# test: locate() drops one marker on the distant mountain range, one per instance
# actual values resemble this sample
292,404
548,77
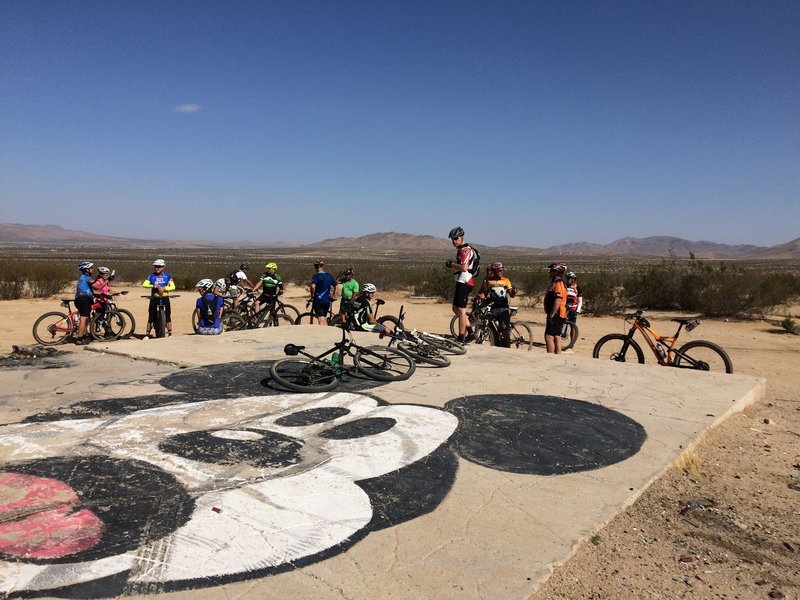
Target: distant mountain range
12,234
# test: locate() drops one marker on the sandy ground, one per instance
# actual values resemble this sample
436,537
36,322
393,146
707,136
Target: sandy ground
723,523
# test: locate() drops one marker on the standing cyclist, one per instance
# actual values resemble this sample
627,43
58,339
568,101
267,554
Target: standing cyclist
161,284
348,290
464,267
323,292
574,298
555,307
84,298
271,285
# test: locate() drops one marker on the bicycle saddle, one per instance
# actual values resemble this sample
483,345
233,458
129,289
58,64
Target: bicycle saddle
292,350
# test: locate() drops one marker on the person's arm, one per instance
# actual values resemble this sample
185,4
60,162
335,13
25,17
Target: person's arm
170,286
147,283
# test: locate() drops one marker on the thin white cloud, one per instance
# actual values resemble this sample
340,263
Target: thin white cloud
188,108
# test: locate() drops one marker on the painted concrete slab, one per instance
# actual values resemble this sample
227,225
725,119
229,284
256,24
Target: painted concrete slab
176,466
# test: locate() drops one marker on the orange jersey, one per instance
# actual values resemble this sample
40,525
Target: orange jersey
556,290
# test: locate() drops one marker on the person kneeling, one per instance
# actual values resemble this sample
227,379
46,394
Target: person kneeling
362,311
209,307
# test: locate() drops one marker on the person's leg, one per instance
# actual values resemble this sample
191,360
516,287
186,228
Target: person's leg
168,311
552,334
460,299
151,316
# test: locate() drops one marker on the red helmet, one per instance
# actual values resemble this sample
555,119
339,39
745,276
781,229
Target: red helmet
498,266
559,267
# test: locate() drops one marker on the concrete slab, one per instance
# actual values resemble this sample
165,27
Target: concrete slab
174,465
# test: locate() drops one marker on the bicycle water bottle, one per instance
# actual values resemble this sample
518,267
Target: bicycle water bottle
335,359
662,355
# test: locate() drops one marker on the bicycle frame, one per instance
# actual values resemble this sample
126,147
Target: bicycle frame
662,347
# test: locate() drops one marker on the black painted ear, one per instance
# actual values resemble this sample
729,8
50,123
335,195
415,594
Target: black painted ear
541,435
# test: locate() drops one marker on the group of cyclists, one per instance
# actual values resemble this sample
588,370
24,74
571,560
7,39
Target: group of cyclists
563,300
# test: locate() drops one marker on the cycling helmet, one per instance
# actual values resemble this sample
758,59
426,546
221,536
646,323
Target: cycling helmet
368,287
456,232
159,262
318,263
571,275
244,266
221,284
498,266
204,284
560,267
105,271
271,265
348,272
85,265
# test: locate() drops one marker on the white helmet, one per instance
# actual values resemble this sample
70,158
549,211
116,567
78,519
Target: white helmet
204,284
221,284
85,265
159,262
104,270
368,287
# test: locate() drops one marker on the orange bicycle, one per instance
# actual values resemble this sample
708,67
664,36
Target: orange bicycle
697,354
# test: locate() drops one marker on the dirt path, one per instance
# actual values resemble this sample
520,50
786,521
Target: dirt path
725,523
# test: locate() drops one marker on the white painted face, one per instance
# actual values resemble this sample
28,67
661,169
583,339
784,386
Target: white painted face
267,480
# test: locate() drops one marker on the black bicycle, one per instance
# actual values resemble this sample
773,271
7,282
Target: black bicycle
422,346
305,372
160,322
486,327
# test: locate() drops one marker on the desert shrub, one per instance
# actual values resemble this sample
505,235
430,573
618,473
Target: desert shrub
435,282
656,286
603,293
34,280
790,326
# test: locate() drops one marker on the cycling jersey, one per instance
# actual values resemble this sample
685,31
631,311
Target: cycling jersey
323,284
271,285
496,290
465,255
84,287
162,280
555,290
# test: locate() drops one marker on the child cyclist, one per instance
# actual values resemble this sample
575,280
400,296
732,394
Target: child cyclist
209,309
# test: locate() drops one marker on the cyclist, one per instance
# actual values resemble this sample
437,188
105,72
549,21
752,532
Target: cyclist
161,284
323,292
463,269
574,297
555,307
271,285
349,289
209,308
100,287
84,298
361,308
236,280
495,291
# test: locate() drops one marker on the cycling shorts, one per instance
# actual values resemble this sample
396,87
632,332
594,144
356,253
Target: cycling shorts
84,305
320,310
461,295
554,326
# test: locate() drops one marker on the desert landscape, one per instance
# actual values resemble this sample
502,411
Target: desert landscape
722,523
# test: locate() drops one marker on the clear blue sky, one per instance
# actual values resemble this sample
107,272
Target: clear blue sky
529,123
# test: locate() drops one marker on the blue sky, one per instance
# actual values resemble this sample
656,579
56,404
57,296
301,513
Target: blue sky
528,123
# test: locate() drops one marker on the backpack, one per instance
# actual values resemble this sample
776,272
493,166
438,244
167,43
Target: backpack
209,307
233,278
475,267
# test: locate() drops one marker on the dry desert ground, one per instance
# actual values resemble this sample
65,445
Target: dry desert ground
722,523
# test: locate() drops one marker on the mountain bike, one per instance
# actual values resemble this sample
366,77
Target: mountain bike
428,346
486,327
308,318
268,315
697,354
54,327
323,372
160,322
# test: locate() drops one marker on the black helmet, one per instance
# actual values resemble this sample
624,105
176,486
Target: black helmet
456,232
244,266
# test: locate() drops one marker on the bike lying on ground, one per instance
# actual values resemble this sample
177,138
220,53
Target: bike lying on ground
697,354
105,323
486,327
422,346
323,372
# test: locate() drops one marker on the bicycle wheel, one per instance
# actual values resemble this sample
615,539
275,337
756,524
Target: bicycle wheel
52,328
569,335
195,319
130,323
106,326
303,375
384,363
483,334
278,320
233,321
396,323
454,324
424,353
289,310
306,318
443,343
703,356
521,336
336,321
160,324
616,346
